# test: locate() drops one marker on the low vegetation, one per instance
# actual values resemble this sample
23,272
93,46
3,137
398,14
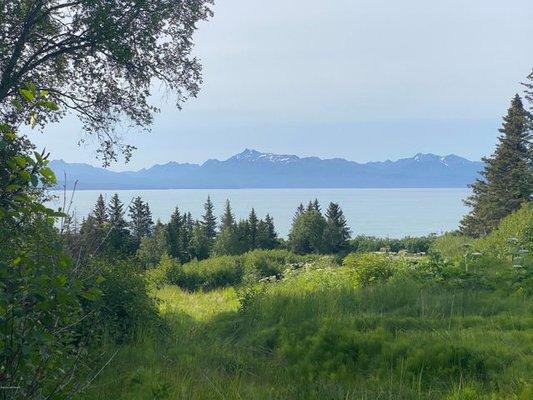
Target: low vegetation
378,326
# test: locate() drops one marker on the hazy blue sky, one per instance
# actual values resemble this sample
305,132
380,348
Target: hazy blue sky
359,79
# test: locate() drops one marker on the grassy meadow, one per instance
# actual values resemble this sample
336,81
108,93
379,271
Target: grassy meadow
455,324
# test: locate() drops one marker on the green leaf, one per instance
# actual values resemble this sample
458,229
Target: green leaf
49,105
27,94
34,180
38,157
48,175
17,104
20,161
92,294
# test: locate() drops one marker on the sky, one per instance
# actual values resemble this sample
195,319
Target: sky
364,80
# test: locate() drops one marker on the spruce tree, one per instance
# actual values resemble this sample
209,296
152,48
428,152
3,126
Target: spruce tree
252,229
93,228
529,91
299,211
228,220
174,228
185,238
266,233
507,178
243,236
209,221
227,241
115,212
199,244
100,212
118,240
141,222
336,233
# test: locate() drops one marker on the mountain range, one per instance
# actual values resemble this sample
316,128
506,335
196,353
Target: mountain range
254,169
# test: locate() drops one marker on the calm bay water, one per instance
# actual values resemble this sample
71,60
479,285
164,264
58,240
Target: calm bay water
380,212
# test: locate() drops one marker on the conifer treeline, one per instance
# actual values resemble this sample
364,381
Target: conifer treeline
106,230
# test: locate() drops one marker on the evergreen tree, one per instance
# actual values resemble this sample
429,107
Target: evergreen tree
174,232
141,222
507,178
199,244
93,228
267,237
228,220
91,236
529,91
227,240
115,212
299,211
336,233
209,221
119,238
252,229
100,212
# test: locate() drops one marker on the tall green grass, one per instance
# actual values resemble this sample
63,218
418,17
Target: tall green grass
307,337
457,324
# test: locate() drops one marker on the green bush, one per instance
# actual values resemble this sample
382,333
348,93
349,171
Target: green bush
158,277
41,354
370,268
514,233
222,271
124,308
264,263
365,244
207,274
452,246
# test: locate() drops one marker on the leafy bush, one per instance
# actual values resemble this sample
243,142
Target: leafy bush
157,277
207,274
369,267
264,263
124,308
515,232
221,271
365,244
452,246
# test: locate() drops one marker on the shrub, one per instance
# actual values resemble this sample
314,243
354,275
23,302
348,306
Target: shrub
221,271
364,244
264,263
207,274
124,308
514,232
369,267
452,246
41,355
158,277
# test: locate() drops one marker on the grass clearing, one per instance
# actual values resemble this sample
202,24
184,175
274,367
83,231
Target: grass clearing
315,335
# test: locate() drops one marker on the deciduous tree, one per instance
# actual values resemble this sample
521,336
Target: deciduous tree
98,59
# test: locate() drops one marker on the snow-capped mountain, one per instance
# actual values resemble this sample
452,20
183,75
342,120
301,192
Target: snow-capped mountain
254,169
250,155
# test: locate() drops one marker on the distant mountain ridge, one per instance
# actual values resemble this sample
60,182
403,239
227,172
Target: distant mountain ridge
254,169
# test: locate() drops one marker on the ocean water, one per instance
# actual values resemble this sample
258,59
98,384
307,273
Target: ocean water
381,212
